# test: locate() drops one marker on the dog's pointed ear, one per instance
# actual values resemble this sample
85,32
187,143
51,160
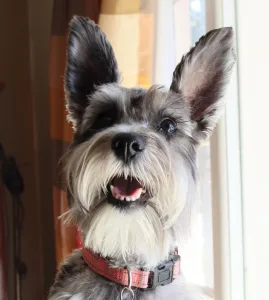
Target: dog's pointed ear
90,62
202,75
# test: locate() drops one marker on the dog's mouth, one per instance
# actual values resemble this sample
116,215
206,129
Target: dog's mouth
126,191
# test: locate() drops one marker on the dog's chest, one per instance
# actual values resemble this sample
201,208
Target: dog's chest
106,291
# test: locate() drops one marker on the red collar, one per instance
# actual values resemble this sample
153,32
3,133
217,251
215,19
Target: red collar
163,274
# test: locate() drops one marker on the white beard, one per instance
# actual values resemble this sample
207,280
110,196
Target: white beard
125,235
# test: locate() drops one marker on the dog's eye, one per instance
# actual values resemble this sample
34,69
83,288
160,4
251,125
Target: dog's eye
103,121
168,126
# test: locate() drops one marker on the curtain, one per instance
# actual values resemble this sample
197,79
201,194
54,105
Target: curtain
129,27
60,130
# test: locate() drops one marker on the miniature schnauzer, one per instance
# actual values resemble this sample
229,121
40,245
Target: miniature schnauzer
131,169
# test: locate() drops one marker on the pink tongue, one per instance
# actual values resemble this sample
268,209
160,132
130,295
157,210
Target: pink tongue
126,187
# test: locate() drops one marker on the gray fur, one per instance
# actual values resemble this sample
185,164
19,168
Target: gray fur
90,62
142,235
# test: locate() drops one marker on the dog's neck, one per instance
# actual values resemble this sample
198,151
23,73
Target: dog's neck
131,240
141,260
162,274
137,261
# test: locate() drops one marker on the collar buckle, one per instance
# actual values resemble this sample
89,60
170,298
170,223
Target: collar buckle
163,273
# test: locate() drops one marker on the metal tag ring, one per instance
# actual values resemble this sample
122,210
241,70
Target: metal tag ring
129,290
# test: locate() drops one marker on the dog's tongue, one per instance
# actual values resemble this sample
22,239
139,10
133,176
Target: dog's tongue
126,187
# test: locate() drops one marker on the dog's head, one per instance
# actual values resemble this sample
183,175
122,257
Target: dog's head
131,169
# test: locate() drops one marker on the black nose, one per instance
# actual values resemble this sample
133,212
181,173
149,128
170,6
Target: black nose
127,145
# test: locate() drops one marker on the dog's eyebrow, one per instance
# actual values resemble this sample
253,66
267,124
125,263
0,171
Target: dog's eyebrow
136,97
110,107
136,100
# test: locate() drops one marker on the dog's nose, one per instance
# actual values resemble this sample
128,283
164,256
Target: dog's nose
127,145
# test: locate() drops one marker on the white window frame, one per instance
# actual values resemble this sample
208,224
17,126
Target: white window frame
226,178
253,64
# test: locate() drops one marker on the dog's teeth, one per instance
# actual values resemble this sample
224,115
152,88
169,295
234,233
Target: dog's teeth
137,194
127,198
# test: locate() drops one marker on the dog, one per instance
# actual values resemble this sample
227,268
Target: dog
131,169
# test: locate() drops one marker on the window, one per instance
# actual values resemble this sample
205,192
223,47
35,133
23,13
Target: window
214,257
197,262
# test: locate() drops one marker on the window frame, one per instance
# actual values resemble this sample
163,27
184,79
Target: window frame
228,237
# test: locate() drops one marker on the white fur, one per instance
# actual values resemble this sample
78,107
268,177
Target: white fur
115,233
77,297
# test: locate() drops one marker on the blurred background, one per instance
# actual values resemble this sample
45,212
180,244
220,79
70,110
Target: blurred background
228,252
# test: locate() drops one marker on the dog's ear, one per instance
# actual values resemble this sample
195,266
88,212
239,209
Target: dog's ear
90,62
202,75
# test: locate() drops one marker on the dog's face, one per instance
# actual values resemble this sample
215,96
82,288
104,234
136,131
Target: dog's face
131,169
